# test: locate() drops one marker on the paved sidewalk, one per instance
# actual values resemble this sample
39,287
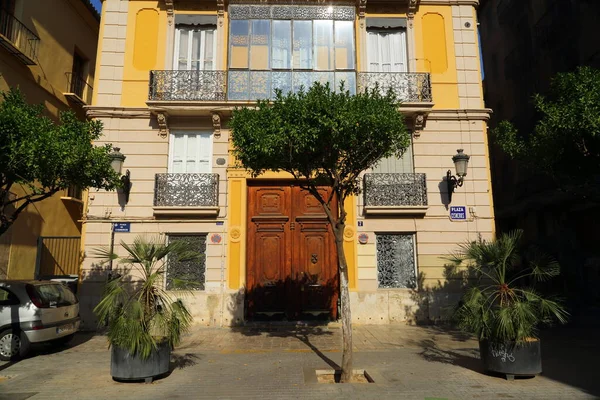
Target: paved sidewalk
279,363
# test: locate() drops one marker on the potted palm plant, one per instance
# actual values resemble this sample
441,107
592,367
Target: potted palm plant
144,320
503,308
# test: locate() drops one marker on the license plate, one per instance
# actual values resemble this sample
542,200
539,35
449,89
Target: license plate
64,328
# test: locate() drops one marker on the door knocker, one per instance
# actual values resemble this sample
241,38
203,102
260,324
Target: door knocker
313,258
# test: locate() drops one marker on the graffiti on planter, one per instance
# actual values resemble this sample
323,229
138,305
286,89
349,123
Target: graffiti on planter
500,351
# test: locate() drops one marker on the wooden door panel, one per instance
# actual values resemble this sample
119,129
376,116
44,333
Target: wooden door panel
291,264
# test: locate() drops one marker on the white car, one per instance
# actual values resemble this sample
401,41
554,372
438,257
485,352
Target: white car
33,312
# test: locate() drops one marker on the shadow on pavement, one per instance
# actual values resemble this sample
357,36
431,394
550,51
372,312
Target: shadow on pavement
569,355
302,333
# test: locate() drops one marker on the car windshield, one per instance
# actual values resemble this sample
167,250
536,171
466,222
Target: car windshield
55,295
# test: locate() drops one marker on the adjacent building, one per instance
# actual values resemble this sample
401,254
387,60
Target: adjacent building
47,50
525,43
170,72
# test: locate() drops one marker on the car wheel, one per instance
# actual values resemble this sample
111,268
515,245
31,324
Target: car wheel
64,340
13,345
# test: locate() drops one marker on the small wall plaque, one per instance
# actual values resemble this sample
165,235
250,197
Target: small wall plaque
363,238
221,161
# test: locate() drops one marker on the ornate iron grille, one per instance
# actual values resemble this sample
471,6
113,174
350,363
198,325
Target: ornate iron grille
287,11
410,87
186,190
396,261
188,274
188,85
395,189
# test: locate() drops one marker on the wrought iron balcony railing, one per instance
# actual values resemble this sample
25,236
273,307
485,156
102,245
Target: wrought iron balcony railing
17,38
186,190
410,87
188,85
182,85
395,190
77,86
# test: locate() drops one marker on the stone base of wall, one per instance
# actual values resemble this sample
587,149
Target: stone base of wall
227,309
402,306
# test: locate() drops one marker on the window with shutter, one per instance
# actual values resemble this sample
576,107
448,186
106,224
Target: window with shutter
195,47
190,152
394,164
386,51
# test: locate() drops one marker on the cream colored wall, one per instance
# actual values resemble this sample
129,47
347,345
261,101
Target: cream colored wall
146,155
436,235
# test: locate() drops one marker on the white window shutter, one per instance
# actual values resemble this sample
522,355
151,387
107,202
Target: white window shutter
191,152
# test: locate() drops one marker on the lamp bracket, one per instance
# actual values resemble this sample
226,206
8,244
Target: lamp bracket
452,182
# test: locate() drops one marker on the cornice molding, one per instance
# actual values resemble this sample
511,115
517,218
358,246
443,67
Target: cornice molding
474,3
471,114
121,112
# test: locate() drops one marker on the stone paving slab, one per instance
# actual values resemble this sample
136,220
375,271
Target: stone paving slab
272,363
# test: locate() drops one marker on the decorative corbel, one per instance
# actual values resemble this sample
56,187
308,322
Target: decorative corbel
412,10
169,4
216,120
419,124
163,129
362,8
221,11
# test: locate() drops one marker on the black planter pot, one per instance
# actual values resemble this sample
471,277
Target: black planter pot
510,359
125,367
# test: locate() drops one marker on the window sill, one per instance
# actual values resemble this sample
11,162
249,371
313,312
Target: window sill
396,210
186,211
73,199
74,98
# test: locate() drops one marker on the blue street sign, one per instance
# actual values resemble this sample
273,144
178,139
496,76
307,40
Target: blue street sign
122,227
458,213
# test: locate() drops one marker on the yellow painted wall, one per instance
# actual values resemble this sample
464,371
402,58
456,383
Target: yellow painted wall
62,26
434,51
145,49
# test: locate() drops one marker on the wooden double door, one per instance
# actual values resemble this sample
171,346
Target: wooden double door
291,259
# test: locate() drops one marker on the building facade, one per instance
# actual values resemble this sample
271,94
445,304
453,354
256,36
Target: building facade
47,50
170,73
525,43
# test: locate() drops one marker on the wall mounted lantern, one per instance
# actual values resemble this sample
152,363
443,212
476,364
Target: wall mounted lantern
461,161
117,159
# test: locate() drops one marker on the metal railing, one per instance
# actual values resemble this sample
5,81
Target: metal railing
58,256
411,87
19,36
78,86
75,192
395,189
181,85
188,85
186,190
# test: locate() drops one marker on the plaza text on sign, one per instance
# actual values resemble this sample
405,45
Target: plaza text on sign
122,226
458,213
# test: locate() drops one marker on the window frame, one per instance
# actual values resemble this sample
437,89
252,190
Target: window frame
187,133
169,236
415,256
380,31
202,59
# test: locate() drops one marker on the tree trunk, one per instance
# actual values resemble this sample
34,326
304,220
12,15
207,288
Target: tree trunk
345,301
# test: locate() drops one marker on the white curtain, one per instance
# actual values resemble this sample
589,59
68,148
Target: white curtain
386,51
195,48
191,152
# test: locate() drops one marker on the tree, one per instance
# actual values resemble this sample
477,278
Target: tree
565,143
44,157
322,138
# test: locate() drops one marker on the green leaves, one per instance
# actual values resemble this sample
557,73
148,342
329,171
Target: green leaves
47,156
320,131
565,141
141,312
500,307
